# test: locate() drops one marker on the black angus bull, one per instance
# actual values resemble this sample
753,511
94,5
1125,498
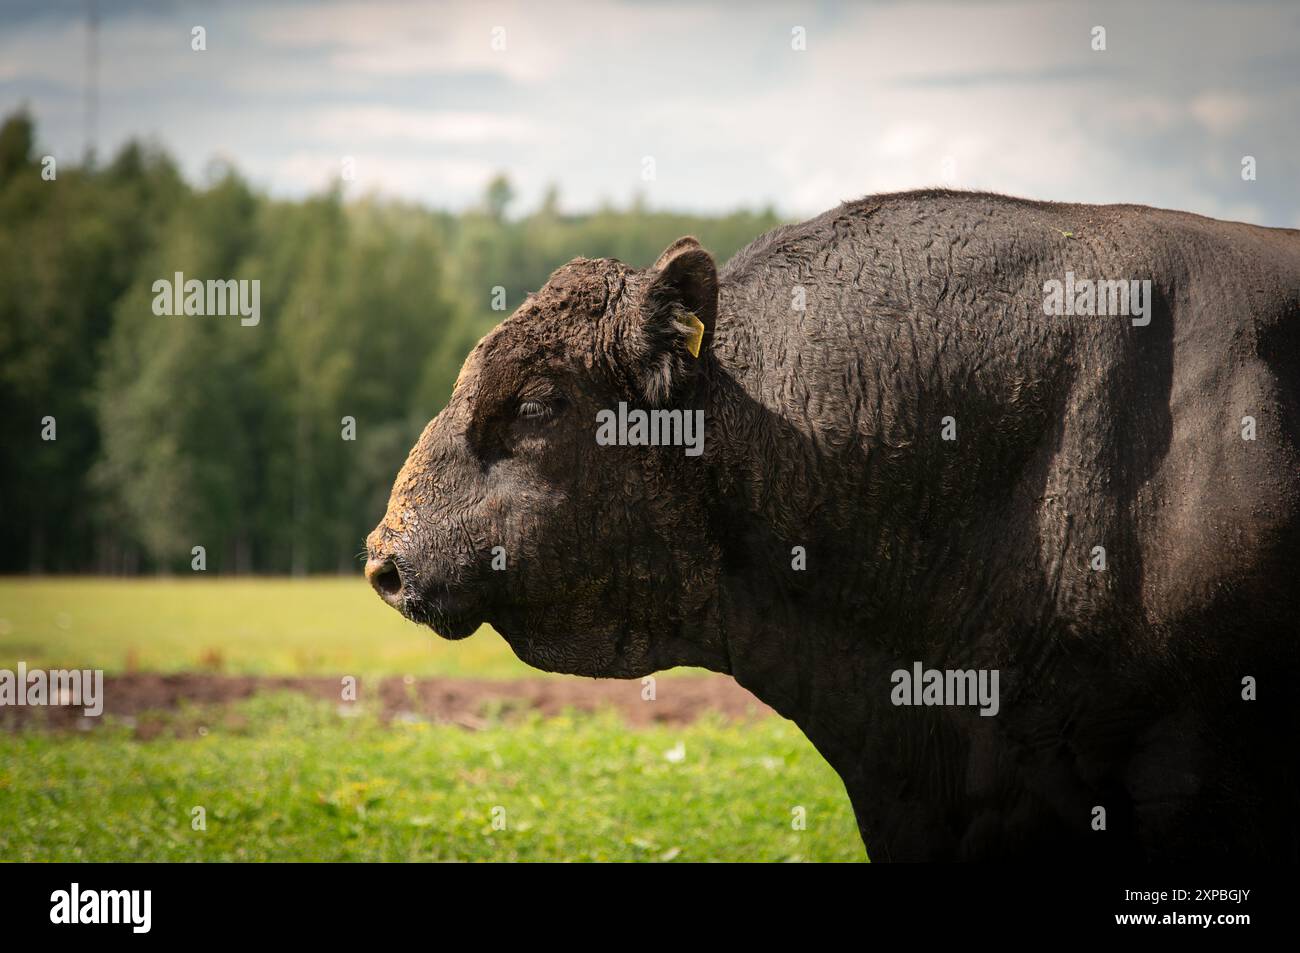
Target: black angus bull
953,443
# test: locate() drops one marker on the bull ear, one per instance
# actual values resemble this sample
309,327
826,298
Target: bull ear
676,319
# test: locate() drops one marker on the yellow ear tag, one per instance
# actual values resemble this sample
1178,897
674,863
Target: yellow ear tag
697,336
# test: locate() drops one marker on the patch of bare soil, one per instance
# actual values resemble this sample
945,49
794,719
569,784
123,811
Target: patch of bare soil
468,702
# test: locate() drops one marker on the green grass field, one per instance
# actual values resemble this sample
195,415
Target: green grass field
284,777
314,626
281,777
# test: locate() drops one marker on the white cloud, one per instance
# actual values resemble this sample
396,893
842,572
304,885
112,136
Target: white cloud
391,38
305,173
1220,112
394,124
733,116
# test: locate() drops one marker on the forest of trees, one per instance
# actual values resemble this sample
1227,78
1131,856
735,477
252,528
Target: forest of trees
173,432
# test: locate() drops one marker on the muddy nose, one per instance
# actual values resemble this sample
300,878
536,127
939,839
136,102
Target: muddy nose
386,578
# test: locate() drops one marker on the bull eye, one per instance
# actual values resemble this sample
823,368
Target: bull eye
533,409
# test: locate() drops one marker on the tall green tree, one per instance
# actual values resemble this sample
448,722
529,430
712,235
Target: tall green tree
272,446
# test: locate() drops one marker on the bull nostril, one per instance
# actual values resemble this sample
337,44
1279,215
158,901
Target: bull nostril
389,580
385,577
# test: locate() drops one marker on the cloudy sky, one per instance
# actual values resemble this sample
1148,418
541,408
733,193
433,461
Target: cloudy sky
1003,95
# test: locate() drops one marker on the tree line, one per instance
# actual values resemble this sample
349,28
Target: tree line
128,437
